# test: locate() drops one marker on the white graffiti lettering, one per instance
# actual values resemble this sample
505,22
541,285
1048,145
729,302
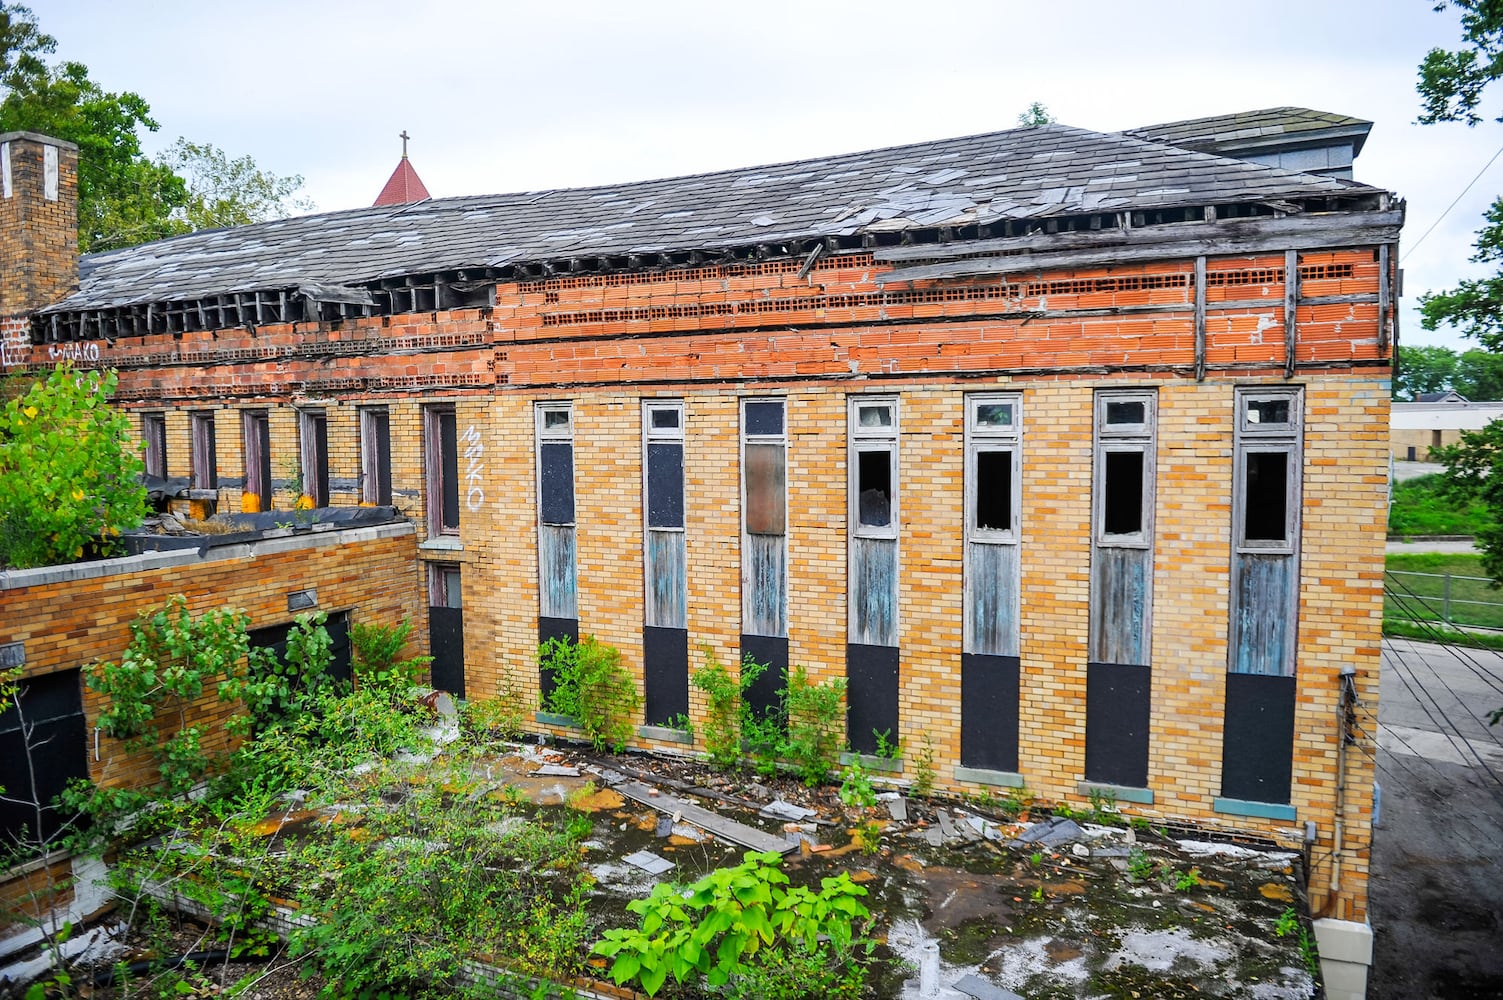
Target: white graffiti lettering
475,471
13,345
73,351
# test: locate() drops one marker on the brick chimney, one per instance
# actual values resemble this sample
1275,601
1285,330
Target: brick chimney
38,221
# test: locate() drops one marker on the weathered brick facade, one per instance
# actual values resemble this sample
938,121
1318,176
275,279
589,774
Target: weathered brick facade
814,331
38,221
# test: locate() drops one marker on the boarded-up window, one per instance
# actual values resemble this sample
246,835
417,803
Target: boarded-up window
665,553
1121,625
204,463
764,548
557,570
993,453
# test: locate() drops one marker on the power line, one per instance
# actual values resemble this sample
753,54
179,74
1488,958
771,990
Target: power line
1441,727
1415,245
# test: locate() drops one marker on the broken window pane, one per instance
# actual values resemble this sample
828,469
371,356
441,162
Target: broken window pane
665,418
556,482
766,477
1265,506
555,420
994,415
994,490
154,430
1122,493
1267,411
874,488
665,485
1126,412
874,415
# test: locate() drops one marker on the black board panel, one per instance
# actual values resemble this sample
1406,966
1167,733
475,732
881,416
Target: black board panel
274,638
1118,699
665,663
772,650
871,695
989,711
446,646
1257,755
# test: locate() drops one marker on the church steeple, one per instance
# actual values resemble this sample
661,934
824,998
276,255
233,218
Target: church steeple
405,186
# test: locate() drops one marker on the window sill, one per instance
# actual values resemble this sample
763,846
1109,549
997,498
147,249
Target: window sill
1259,810
871,762
665,734
1119,793
983,776
442,543
561,721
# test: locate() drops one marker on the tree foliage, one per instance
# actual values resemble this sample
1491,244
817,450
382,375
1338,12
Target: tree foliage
69,467
1477,375
1034,115
124,196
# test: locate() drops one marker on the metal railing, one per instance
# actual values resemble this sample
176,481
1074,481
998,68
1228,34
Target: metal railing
1442,597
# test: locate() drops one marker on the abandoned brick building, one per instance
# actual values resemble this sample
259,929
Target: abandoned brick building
1067,449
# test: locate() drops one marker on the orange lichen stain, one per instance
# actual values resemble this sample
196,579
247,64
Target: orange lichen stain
597,801
1272,890
862,876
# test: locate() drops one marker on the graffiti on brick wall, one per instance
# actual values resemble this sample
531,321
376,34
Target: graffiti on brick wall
78,353
474,495
13,344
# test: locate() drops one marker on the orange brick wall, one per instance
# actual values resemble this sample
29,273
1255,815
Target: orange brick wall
70,623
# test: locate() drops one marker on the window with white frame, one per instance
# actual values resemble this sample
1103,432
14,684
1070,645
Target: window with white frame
874,466
663,507
1124,479
1267,472
556,535
764,517
993,505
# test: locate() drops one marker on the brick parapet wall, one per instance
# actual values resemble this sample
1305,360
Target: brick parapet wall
71,616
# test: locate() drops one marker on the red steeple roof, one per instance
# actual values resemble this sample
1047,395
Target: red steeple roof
405,186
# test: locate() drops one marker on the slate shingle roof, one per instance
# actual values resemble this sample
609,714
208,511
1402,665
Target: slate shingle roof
1247,128
1030,173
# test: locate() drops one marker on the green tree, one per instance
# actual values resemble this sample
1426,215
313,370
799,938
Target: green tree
69,468
124,196
1479,376
1423,369
224,192
1034,115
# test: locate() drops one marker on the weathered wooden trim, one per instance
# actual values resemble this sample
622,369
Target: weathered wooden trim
1235,229
1200,319
1291,308
1211,245
1385,297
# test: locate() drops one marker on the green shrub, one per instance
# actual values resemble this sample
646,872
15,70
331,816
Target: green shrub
726,710
743,925
591,686
816,716
376,658
69,468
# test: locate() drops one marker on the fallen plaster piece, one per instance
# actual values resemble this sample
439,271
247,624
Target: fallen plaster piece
557,771
778,809
975,986
1207,848
650,863
99,944
1159,951
705,819
897,808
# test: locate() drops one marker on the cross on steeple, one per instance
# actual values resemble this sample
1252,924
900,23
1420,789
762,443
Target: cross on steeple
404,137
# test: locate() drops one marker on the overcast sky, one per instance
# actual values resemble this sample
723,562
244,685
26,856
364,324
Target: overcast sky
506,96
